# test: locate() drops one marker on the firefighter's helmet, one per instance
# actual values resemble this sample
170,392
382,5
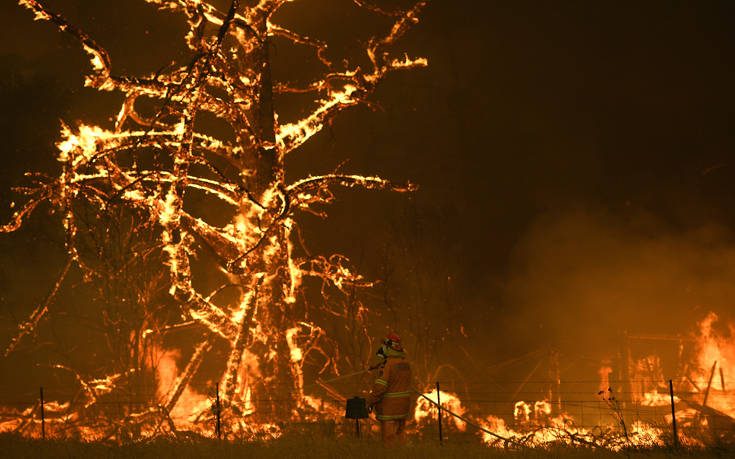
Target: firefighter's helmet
393,341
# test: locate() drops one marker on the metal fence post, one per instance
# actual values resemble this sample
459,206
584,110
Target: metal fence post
673,412
218,426
439,409
43,417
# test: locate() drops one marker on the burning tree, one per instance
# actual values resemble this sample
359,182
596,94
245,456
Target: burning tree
137,186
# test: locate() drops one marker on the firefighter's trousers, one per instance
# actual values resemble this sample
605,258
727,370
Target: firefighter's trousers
393,431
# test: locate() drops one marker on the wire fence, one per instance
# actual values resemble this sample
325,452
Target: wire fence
521,406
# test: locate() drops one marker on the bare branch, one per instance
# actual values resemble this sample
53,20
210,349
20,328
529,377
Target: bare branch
29,326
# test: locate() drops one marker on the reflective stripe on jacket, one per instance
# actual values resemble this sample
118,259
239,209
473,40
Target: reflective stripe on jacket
391,393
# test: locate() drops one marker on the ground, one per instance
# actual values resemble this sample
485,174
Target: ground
300,446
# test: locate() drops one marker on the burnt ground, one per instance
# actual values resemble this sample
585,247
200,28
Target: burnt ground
310,446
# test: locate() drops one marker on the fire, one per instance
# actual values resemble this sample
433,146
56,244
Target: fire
261,331
656,398
705,376
526,413
108,172
426,410
535,424
715,352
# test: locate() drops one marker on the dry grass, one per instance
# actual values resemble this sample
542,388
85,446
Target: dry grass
301,446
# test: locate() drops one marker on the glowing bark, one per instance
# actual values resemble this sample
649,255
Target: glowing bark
229,77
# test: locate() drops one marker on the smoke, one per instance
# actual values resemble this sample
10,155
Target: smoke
580,279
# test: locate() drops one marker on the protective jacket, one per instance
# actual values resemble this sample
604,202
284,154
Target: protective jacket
391,392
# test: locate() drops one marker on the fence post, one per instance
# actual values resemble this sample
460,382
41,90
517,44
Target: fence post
43,417
439,409
673,412
218,426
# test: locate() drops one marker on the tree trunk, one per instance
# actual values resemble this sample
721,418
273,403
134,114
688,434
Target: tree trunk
272,380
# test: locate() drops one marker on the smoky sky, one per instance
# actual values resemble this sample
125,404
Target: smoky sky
574,159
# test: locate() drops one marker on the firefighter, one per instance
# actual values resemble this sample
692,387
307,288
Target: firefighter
390,396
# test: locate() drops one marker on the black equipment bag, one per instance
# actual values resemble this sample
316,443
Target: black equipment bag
356,408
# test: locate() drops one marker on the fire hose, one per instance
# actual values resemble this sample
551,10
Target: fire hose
465,420
337,396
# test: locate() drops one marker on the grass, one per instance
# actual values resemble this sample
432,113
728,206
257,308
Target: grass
304,446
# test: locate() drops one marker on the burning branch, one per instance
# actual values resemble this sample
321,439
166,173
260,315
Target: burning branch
29,326
104,179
